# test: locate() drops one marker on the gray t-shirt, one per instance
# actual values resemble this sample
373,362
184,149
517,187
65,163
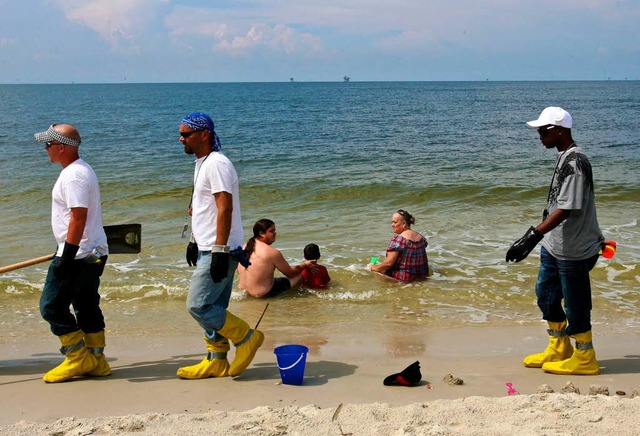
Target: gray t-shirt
579,236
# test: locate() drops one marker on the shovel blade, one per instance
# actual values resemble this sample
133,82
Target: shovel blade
124,238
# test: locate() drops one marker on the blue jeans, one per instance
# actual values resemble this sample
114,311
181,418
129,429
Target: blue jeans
207,301
568,279
79,290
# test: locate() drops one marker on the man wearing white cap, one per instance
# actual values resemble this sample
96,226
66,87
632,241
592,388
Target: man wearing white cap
571,241
74,273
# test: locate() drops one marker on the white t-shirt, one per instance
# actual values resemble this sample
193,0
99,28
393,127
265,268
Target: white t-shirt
214,173
77,186
579,236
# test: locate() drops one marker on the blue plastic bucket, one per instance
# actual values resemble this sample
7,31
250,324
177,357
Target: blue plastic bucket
291,360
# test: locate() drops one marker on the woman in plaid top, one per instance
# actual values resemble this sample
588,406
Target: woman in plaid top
406,254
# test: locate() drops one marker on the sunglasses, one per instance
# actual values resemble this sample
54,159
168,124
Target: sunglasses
185,135
544,131
50,143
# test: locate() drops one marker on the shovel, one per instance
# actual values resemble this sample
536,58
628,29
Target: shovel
121,238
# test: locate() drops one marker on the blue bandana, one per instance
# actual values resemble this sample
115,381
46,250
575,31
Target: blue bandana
200,121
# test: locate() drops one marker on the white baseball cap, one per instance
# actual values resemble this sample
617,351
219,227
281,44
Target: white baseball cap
552,115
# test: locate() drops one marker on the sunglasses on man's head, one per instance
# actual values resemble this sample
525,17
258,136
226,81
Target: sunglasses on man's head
544,131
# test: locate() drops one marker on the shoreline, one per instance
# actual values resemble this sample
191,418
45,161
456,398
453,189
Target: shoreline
346,368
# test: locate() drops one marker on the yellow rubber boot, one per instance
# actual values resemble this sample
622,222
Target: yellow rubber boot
559,347
246,340
582,362
214,365
78,360
95,344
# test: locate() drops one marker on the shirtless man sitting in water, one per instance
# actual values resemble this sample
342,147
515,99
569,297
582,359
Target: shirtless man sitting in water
258,279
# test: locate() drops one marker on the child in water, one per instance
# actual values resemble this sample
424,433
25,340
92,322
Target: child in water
317,277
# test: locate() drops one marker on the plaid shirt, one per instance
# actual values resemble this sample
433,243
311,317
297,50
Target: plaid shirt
412,262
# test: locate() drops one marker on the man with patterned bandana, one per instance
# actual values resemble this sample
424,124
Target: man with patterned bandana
74,274
217,234
571,242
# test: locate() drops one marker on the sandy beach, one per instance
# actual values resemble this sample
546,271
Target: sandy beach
329,164
342,391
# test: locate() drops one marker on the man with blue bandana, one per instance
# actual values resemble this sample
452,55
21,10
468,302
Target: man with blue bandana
217,233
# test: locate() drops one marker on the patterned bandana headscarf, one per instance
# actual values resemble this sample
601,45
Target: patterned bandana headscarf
199,121
52,135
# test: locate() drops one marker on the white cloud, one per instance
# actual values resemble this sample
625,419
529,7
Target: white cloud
278,38
119,22
308,26
235,34
256,36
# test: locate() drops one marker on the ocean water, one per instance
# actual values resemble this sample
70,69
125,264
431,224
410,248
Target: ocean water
329,163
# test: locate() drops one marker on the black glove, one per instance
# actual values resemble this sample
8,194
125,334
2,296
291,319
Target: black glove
523,246
219,266
192,254
240,255
65,264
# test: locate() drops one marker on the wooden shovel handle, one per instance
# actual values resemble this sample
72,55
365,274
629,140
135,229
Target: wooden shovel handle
25,263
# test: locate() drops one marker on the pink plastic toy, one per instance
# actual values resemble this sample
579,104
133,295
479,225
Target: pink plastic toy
511,391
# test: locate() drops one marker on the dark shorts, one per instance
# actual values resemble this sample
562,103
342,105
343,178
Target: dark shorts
280,285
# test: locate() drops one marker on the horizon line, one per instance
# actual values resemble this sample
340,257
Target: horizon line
320,81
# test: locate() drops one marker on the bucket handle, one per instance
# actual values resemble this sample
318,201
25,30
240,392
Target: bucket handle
296,362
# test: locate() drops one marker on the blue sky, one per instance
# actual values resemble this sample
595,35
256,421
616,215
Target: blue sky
97,41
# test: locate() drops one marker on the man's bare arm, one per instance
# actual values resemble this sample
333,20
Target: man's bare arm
224,202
